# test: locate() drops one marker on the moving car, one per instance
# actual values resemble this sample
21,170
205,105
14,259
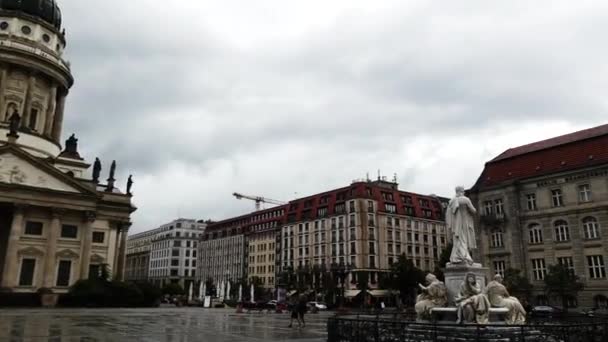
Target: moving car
318,305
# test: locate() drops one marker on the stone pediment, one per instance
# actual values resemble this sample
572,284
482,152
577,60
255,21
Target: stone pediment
31,251
98,259
17,170
67,254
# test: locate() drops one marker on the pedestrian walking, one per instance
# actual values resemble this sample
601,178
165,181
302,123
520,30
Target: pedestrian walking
294,313
301,310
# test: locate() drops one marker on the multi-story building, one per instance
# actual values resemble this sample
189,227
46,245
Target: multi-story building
261,241
58,223
223,250
138,255
366,225
547,203
171,249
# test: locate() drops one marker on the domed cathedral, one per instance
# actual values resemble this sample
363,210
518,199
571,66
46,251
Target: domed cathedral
58,222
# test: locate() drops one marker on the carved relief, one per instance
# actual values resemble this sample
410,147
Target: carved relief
14,170
30,251
67,254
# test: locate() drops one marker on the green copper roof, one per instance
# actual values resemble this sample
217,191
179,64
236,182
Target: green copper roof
46,10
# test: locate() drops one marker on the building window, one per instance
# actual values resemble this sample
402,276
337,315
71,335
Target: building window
499,267
98,237
372,262
370,206
566,262
175,252
177,243
562,232
372,248
33,228
63,273
33,119
498,207
496,239
488,208
26,277
174,272
584,193
538,269
536,234
591,228
390,208
531,201
596,266
69,231
370,220
556,198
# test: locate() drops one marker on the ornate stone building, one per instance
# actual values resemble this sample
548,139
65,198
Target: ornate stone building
57,223
547,203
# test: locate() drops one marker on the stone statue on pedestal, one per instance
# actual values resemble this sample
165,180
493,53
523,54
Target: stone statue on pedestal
472,304
433,295
459,221
499,297
96,170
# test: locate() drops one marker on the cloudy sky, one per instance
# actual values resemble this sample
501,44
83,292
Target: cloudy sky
281,98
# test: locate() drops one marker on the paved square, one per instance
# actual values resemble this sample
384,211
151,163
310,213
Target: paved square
162,324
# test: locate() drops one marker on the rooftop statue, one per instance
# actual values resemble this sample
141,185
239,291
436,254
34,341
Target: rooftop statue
459,220
499,297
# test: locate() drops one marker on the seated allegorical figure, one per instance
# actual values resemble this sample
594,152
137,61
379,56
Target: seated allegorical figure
499,297
473,305
433,295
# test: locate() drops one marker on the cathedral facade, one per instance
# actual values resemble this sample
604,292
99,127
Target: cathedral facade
58,222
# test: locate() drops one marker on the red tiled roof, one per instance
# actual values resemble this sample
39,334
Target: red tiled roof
554,142
576,150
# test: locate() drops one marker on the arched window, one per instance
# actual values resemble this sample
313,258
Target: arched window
536,233
591,228
562,232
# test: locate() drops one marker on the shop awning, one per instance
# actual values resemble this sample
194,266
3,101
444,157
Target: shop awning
351,293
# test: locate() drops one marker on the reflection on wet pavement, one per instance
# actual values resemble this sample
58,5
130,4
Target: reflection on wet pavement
163,324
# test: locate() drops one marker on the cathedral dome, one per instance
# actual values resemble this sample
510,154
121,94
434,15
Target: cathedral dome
47,10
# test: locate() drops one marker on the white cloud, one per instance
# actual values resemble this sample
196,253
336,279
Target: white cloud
202,98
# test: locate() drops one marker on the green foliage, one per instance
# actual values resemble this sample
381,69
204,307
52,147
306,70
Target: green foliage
517,283
98,292
173,289
562,283
444,258
405,277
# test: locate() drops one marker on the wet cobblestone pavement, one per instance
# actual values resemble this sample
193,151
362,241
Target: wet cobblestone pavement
162,324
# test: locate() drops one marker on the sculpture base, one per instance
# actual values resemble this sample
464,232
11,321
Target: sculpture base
455,274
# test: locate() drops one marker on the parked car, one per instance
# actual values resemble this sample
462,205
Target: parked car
546,309
272,303
317,305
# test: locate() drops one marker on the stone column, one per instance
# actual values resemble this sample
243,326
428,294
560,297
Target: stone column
27,106
58,120
50,112
51,249
124,231
3,81
87,241
9,278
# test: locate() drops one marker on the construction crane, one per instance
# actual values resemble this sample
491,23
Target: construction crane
258,200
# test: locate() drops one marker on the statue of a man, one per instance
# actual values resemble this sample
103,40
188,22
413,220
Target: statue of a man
129,184
433,295
14,122
96,170
459,221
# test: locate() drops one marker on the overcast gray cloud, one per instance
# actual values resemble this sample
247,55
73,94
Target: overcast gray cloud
198,99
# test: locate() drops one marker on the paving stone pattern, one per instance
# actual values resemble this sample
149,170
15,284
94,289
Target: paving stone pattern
151,325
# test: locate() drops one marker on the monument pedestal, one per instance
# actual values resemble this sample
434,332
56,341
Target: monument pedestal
455,274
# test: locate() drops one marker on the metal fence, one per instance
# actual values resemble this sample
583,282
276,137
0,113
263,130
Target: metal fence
380,329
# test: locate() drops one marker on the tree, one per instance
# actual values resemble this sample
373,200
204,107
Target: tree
517,284
173,289
444,258
406,277
562,283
